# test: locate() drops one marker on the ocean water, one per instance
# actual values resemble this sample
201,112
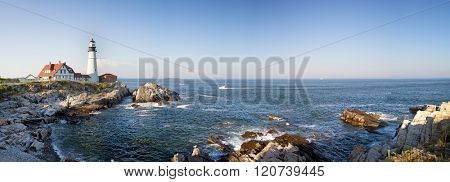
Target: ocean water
310,108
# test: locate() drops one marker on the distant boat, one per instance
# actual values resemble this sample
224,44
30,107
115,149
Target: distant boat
321,78
223,87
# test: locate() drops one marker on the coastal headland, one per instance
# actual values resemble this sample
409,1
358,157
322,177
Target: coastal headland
27,111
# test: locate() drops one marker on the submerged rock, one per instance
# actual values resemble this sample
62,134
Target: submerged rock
152,92
361,118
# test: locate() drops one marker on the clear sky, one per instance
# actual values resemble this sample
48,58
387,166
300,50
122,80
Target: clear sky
416,47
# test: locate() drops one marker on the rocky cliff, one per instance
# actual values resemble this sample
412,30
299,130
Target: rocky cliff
27,110
425,138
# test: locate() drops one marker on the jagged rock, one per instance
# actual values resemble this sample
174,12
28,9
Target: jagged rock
272,131
287,139
42,133
272,117
178,158
360,118
152,92
251,135
428,129
252,147
50,112
219,141
415,109
358,154
198,156
4,122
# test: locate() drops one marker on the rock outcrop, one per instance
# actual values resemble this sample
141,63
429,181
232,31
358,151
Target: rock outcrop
426,134
285,148
27,109
152,92
360,118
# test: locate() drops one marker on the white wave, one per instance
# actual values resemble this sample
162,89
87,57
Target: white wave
385,117
202,95
183,106
236,140
152,104
96,112
223,88
306,125
58,151
388,117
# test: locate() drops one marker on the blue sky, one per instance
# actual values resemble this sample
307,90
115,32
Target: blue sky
417,47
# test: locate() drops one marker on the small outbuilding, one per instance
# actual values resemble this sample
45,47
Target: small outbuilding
107,78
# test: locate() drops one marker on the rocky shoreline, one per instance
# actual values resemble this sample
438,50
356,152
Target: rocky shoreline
424,139
284,148
27,111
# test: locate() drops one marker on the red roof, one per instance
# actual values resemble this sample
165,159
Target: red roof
53,68
107,74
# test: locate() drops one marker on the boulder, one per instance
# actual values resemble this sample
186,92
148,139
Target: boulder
198,156
218,140
272,131
251,135
360,118
152,92
178,158
287,139
272,117
252,147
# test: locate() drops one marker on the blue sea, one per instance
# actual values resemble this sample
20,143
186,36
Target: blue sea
310,108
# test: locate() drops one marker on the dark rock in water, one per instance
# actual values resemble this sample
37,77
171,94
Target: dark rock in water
135,105
219,141
152,92
178,158
285,148
252,147
272,117
198,156
287,139
272,131
415,109
360,118
251,135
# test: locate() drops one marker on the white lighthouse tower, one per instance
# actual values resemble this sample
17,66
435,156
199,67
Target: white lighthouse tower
92,62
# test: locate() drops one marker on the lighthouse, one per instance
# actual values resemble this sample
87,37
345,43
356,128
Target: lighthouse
92,62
